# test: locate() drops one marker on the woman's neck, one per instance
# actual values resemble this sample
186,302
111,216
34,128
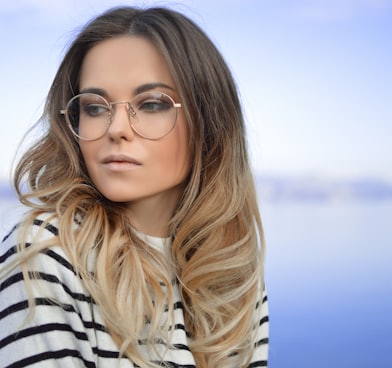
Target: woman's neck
152,215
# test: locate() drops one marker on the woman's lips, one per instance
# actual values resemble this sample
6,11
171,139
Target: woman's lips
120,162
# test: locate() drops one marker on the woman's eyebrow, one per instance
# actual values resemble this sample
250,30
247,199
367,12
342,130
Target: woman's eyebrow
150,86
140,89
97,91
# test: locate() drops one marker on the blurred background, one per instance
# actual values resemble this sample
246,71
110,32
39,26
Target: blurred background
315,78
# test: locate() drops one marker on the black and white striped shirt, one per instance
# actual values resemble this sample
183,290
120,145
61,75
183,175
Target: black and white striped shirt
72,333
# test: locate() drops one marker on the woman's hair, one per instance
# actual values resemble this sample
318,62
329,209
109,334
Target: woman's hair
217,249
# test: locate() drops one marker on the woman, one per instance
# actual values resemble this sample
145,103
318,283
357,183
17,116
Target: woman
143,243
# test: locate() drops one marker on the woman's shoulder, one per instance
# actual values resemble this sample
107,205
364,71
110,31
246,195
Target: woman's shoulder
42,255
38,239
32,227
61,322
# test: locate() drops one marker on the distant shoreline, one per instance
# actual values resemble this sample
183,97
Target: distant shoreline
280,188
317,189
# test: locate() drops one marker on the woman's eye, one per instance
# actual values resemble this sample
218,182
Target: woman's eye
154,106
95,109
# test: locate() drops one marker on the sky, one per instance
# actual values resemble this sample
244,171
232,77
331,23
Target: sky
315,76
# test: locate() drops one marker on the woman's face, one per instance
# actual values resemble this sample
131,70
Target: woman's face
124,166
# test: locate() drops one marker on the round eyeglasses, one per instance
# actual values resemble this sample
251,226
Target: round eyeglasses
152,115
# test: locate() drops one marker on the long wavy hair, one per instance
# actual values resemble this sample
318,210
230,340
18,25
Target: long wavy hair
217,250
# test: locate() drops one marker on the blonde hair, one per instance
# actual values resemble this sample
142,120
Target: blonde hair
218,249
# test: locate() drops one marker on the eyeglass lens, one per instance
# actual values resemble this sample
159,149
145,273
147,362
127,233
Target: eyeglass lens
152,115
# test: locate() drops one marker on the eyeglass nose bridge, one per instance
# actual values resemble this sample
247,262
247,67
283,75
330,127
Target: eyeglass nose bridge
131,111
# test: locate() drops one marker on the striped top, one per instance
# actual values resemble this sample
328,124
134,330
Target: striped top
72,333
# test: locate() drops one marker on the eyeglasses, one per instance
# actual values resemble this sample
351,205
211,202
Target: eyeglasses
152,115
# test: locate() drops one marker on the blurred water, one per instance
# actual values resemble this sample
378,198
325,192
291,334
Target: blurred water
329,280
328,273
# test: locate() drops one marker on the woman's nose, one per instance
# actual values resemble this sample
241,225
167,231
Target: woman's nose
120,125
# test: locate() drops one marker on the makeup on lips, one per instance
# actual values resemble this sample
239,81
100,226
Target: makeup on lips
120,162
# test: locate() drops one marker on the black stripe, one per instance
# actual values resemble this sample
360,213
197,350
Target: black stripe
13,279
174,365
106,353
262,342
263,320
177,326
41,329
259,363
38,301
178,305
49,278
45,302
265,299
10,233
181,347
51,228
10,252
59,259
158,341
55,280
49,355
94,325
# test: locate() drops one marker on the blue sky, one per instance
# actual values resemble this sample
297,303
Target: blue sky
315,76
